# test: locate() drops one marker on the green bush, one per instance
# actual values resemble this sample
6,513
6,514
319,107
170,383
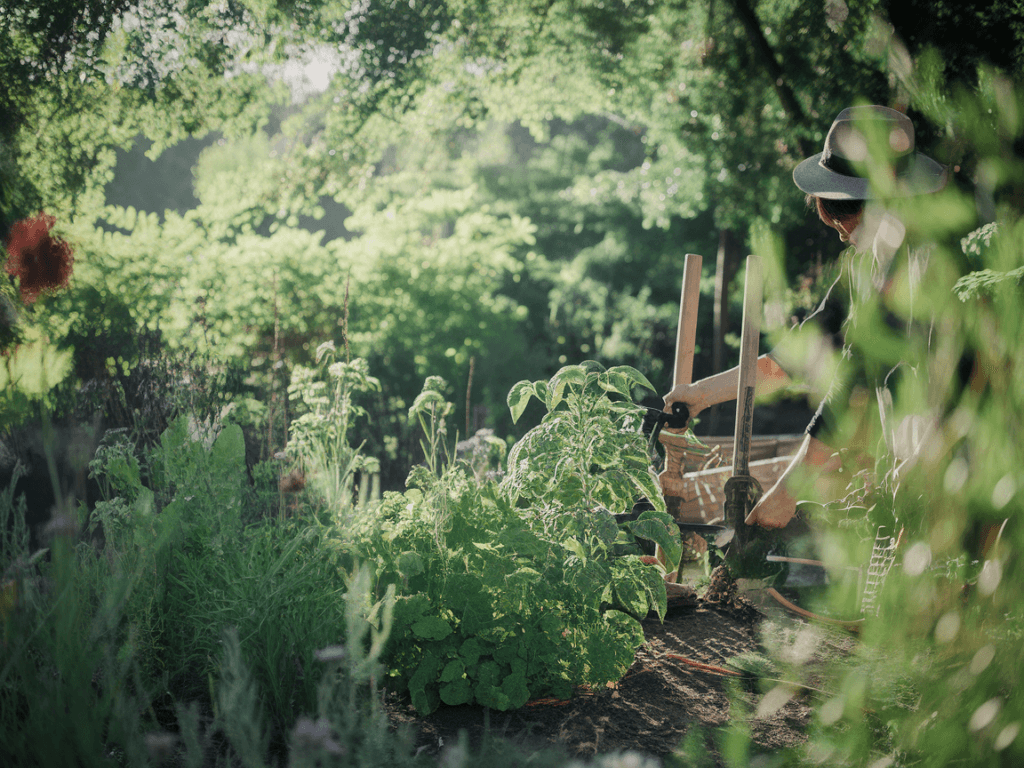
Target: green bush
203,564
513,590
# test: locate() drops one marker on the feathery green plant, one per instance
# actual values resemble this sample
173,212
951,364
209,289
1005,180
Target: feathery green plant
325,400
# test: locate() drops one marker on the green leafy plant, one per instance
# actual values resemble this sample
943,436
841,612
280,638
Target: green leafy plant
431,411
588,456
176,522
500,599
325,399
71,688
987,245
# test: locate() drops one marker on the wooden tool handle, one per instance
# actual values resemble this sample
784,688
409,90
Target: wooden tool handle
742,490
752,300
682,371
686,335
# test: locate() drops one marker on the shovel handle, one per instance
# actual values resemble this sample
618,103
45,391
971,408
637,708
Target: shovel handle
686,334
742,490
752,301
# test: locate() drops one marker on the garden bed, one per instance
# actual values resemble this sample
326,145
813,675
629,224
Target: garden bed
659,700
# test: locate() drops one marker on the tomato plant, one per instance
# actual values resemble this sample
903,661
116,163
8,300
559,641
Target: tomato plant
525,587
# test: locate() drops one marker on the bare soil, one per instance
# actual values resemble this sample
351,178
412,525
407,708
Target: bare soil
662,696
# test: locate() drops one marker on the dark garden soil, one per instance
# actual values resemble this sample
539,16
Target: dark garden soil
660,698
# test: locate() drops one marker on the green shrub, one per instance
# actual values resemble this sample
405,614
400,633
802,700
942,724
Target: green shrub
511,591
200,568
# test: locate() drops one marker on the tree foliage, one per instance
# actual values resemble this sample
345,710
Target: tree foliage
523,178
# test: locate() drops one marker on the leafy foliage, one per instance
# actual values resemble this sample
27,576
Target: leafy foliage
588,452
980,245
183,519
505,595
521,180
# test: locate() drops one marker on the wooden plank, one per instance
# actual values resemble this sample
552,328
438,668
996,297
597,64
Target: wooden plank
699,497
717,451
761,447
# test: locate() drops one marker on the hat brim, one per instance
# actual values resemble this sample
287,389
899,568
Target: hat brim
923,177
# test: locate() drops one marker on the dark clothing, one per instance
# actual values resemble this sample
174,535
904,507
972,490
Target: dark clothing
875,365
863,277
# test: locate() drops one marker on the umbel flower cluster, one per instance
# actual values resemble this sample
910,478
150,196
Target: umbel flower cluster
40,261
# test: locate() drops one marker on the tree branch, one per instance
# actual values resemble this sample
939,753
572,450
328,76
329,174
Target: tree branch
763,51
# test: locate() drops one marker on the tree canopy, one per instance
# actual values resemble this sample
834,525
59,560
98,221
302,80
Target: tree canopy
523,178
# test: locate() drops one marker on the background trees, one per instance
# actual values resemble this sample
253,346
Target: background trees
509,186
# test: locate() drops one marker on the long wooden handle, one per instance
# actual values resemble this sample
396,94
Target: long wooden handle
682,371
686,334
752,300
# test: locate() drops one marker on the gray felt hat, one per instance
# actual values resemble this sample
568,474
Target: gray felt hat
839,172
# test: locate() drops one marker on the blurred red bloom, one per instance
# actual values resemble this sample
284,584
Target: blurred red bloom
39,260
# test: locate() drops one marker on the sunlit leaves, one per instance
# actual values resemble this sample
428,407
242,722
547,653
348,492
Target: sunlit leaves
588,445
519,397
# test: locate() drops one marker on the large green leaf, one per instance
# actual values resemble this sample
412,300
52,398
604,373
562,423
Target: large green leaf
650,488
633,377
519,397
456,692
470,651
453,670
515,688
631,595
411,564
574,546
432,628
567,376
663,530
615,381
653,582
422,684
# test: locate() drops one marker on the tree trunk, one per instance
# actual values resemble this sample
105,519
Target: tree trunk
763,51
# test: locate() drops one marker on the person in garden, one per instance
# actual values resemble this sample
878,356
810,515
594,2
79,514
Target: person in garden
869,157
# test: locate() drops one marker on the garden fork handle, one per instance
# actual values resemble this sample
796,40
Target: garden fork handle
682,374
742,490
686,333
752,300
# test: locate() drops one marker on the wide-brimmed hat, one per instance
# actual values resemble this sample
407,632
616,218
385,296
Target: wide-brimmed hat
840,171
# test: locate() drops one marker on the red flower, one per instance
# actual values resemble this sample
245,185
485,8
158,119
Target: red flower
40,261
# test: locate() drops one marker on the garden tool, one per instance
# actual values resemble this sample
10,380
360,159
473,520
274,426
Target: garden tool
691,481
742,490
683,452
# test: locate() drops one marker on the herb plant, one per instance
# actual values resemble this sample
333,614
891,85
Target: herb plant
325,400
